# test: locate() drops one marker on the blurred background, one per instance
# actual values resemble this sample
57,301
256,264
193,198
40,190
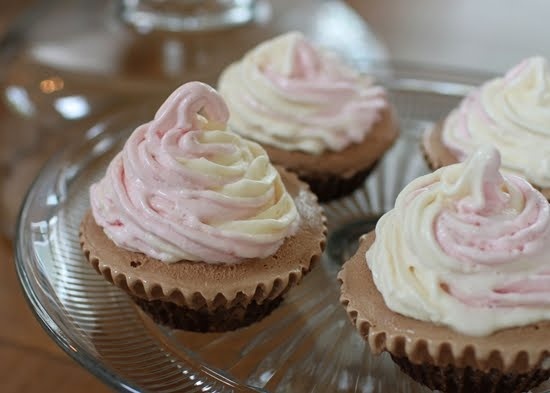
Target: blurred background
64,65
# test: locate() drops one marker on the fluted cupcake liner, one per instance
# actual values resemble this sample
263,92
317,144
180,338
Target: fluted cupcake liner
184,296
193,310
329,186
436,355
220,319
451,379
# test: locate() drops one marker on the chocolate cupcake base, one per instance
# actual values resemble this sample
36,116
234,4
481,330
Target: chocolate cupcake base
450,379
328,187
221,319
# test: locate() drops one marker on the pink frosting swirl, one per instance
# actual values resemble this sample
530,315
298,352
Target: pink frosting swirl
466,247
184,189
511,113
315,79
292,95
502,228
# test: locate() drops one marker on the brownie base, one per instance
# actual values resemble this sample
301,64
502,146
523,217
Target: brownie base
328,186
452,379
222,319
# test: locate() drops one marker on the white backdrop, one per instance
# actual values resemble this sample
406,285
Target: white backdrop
486,35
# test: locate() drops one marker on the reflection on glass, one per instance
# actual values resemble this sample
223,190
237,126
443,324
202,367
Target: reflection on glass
19,100
51,85
72,107
186,15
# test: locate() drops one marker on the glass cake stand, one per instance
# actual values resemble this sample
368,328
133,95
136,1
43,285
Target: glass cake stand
306,345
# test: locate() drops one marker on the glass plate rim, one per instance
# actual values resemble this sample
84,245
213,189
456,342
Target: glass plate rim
392,81
70,347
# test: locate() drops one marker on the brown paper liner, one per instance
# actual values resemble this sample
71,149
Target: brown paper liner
332,175
450,379
424,349
254,285
221,319
328,187
437,155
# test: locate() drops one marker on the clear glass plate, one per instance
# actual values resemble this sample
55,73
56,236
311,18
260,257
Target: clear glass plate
306,345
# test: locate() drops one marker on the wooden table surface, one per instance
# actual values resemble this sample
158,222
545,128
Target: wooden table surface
31,361
35,363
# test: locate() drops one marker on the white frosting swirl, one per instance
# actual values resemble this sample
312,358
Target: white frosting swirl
467,248
511,113
288,94
183,188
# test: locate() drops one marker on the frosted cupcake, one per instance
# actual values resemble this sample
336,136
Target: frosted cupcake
196,224
512,113
455,284
314,115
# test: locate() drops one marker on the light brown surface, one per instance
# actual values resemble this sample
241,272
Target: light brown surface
31,361
36,364
424,342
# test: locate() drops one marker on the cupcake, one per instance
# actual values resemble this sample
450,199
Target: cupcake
455,281
196,224
312,113
511,113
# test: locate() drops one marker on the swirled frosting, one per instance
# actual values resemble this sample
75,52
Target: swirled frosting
466,247
288,94
184,189
511,113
